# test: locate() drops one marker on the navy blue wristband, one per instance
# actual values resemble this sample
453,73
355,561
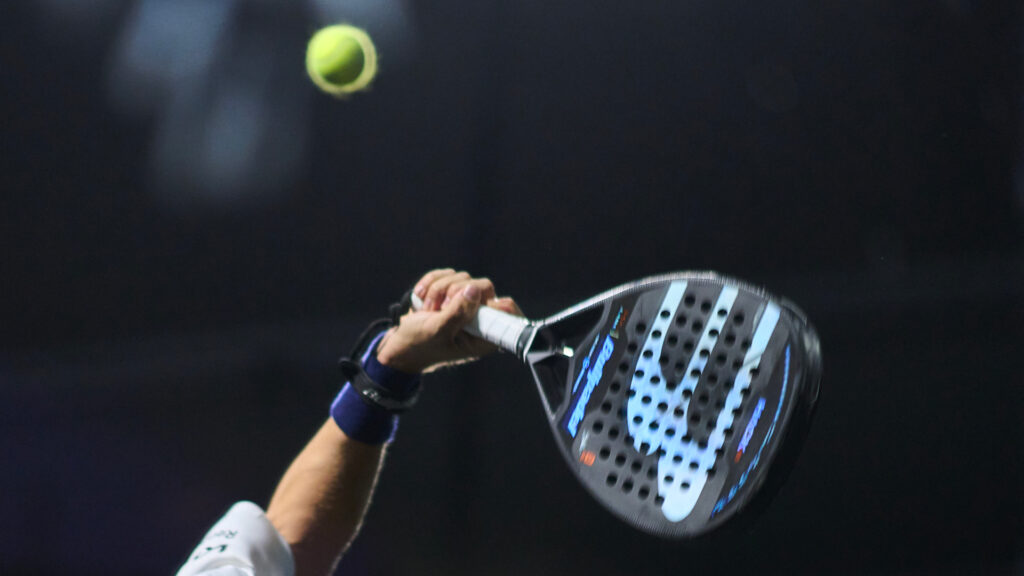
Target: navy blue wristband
361,420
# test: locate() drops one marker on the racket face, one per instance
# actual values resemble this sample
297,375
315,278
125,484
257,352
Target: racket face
679,401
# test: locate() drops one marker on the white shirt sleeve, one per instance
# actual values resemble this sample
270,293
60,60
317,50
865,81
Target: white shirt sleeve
242,543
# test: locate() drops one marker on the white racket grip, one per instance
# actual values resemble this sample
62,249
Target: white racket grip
495,326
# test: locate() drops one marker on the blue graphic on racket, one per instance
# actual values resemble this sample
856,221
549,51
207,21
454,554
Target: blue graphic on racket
679,401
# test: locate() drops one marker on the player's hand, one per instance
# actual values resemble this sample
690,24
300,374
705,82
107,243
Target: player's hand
433,336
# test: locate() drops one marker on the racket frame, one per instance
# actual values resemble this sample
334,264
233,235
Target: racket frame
519,336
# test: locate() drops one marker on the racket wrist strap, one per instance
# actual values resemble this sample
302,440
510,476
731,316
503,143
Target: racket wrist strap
373,396
380,386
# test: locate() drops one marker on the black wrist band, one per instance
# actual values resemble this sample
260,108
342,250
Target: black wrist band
373,393
388,390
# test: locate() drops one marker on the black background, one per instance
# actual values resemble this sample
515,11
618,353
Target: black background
161,360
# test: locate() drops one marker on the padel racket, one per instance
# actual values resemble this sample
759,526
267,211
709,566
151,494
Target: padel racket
680,401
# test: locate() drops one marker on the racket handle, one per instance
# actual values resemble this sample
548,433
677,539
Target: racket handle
495,326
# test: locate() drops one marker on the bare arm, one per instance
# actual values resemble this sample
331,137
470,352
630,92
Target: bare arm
319,504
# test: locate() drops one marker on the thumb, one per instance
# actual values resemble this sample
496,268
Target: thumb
507,305
461,311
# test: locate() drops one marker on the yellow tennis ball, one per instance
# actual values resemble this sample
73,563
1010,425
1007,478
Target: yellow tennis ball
341,59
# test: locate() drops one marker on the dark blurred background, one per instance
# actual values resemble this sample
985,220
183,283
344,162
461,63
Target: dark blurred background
191,235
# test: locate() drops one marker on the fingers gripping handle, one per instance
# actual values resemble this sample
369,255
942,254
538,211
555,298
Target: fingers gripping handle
492,325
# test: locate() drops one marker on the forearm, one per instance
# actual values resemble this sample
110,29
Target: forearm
319,503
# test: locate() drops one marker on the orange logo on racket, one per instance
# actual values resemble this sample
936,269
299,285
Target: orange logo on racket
588,457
